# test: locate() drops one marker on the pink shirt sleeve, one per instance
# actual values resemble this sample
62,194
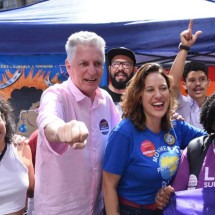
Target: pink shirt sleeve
51,111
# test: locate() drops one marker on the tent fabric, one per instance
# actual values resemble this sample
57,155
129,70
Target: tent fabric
150,28
32,41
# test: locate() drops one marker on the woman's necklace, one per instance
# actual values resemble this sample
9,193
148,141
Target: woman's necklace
3,152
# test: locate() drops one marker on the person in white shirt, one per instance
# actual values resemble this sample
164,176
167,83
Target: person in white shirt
16,168
196,81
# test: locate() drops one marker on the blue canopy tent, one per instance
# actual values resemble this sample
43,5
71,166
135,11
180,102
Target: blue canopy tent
150,28
32,39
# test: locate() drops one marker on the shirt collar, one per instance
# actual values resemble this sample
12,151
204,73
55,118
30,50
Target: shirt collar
79,95
192,102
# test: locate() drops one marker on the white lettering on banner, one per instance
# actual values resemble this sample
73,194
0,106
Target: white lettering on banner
157,153
209,184
207,177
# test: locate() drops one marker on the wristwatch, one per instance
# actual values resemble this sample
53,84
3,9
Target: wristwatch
180,46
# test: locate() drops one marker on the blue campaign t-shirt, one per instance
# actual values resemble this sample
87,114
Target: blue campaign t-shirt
145,160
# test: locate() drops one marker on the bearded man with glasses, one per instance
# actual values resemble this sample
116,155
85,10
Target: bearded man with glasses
121,67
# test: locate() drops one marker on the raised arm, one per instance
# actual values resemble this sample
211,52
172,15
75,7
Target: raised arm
177,69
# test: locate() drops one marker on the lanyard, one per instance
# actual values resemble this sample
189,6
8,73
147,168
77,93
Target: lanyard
3,152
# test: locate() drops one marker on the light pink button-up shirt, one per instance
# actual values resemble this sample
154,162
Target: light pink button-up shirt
68,181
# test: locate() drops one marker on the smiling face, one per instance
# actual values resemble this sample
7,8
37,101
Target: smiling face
86,69
155,97
120,76
196,84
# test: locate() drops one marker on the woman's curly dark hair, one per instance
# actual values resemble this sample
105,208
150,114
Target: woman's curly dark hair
207,116
131,105
7,115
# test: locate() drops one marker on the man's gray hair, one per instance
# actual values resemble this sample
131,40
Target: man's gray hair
84,38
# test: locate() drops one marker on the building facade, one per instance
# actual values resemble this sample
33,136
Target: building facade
11,4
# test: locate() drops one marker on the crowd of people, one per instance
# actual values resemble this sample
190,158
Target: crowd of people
114,149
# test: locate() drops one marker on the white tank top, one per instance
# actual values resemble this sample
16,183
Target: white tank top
14,182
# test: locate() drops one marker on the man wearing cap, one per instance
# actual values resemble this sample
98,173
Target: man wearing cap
121,67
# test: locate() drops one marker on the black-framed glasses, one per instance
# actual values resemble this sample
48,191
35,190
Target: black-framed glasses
125,65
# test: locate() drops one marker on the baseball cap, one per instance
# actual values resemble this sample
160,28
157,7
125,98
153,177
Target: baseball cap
120,51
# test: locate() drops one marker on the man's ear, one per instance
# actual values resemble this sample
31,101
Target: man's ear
135,69
68,66
184,86
209,82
